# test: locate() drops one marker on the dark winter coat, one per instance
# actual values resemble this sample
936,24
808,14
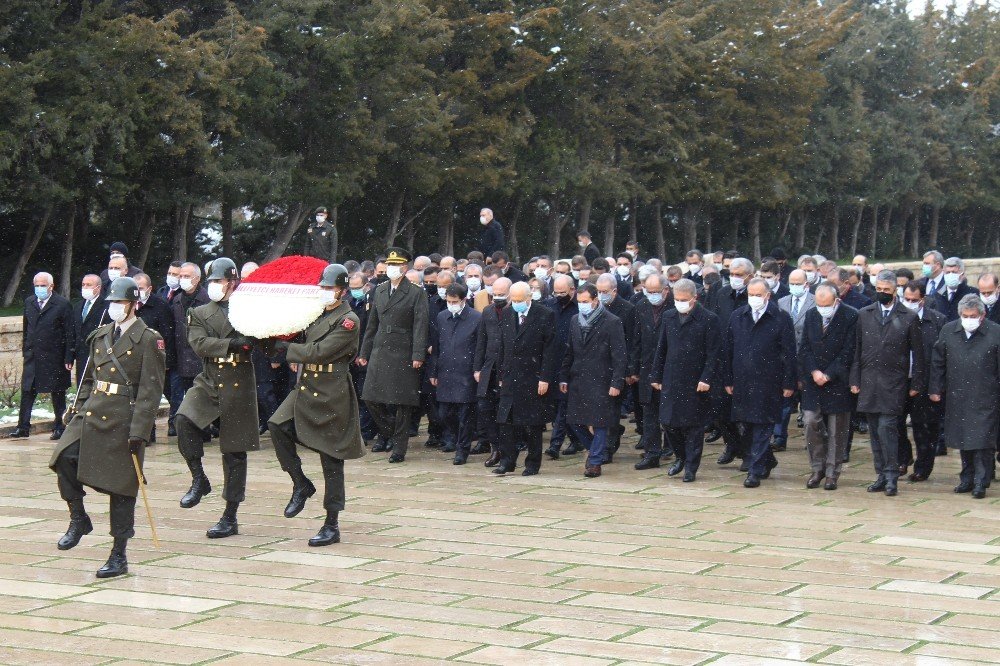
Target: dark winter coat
966,372
881,367
625,311
595,363
947,303
492,240
487,349
454,344
83,327
832,353
47,344
686,354
159,317
396,336
759,363
647,339
527,355
590,253
321,242
188,363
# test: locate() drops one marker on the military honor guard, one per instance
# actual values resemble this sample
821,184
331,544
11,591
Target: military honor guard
110,421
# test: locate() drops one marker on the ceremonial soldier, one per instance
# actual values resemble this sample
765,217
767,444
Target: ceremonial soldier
226,389
394,350
321,237
110,420
322,412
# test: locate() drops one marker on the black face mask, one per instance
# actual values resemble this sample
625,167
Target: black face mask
432,289
379,279
564,299
883,298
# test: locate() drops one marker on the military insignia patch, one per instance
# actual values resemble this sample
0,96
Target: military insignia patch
348,324
161,345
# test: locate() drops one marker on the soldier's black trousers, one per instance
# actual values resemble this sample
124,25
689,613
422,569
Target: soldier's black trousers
70,489
393,423
191,443
285,442
510,435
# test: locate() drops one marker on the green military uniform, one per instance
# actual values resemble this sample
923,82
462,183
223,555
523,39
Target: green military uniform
321,241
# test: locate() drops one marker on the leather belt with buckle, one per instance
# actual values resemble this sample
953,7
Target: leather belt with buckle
232,358
326,367
111,389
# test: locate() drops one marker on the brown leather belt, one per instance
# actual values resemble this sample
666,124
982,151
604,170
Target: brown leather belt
112,389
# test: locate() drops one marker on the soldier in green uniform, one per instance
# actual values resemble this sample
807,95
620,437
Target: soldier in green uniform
321,237
225,390
394,350
322,412
111,419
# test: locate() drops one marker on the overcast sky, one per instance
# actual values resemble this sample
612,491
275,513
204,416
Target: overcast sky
917,6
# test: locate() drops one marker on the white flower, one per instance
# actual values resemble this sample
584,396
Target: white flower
262,310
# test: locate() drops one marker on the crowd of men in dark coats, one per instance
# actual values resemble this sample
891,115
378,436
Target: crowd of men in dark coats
714,347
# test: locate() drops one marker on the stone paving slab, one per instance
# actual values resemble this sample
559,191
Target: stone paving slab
450,564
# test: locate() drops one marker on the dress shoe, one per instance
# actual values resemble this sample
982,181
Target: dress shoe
798,421
56,433
432,443
494,458
688,477
903,469
117,564
779,447
592,471
831,484
751,481
502,469
226,527
640,445
200,487
79,526
412,432
529,472
572,449
744,465
329,533
397,458
459,460
890,489
381,445
941,450
846,458
667,454
171,430
727,457
863,428
917,477
449,448
19,433
648,462
963,488
479,449
815,480
878,486
978,492
676,468
300,493
768,466
552,452
713,435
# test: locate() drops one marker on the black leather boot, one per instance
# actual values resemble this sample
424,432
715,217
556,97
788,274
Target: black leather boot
200,485
494,458
226,526
302,490
116,565
79,525
329,533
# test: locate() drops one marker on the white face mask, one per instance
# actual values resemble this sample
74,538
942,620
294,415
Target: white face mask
912,306
575,274
173,281
455,308
116,311
185,283
87,293
952,280
756,303
473,283
771,283
321,218
393,273
326,296
872,279
683,306
826,311
970,324
216,291
810,276
737,283
442,292
694,269
144,295
899,292
990,300
488,289
541,273
623,271
583,244
483,220
114,274
797,290
536,295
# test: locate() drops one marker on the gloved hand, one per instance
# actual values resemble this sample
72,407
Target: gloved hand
135,444
240,344
281,345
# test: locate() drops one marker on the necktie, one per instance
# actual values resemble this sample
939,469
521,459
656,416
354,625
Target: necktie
885,315
117,334
86,309
521,320
795,307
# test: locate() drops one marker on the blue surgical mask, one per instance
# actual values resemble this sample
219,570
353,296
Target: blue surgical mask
926,270
41,293
654,299
520,308
797,289
605,298
357,294
585,308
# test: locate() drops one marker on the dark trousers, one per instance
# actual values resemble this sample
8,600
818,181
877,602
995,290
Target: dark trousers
560,431
458,424
654,436
267,401
757,446
926,424
688,444
178,387
883,429
977,468
510,435
368,429
393,423
70,489
616,430
596,444
191,444
286,451
486,416
429,406
788,406
28,401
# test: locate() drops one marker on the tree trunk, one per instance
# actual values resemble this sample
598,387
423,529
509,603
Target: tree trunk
556,223
633,224
819,239
146,240
932,238
411,234
394,217
800,231
296,215
784,227
755,235
856,230
692,212
609,232
585,207
226,215
734,232
661,243
835,233
970,230
66,269
903,228
708,233
513,253
445,227
31,240
915,234
181,220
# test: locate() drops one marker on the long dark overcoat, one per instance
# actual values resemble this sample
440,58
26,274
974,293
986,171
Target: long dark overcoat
47,344
593,364
528,354
832,353
395,337
882,357
454,355
686,354
759,363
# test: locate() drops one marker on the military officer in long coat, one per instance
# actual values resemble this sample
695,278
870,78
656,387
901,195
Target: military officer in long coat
226,389
394,349
111,419
322,412
965,367
321,237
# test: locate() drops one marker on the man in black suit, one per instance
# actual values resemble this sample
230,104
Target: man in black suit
648,325
492,238
607,294
933,272
527,367
955,287
188,363
770,272
563,305
360,302
590,251
728,299
172,286
118,265
623,276
47,346
989,293
485,370
888,365
158,316
88,314
695,264
507,269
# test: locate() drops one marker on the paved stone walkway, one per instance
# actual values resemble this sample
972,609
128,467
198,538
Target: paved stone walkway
450,563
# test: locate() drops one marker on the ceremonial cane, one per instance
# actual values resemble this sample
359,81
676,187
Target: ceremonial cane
83,374
145,500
